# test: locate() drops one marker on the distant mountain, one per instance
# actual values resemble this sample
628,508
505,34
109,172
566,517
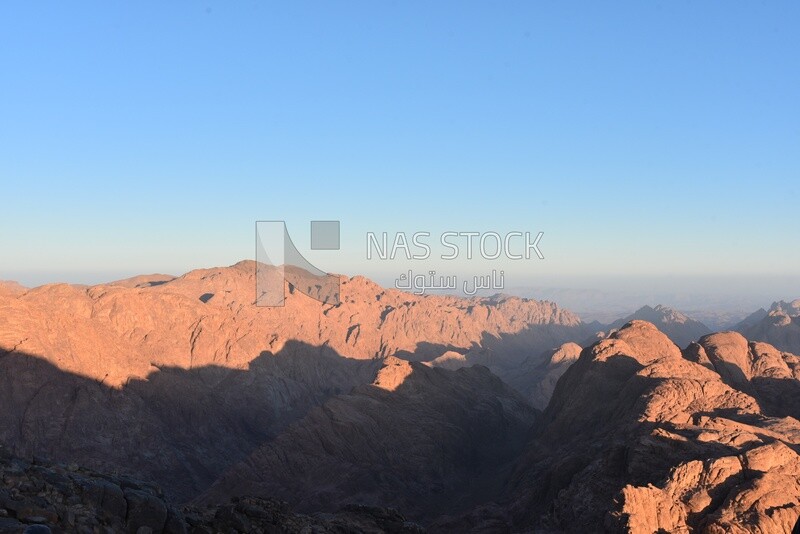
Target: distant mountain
681,329
714,305
751,320
779,326
790,308
143,280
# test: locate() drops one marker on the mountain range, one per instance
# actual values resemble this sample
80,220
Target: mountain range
496,414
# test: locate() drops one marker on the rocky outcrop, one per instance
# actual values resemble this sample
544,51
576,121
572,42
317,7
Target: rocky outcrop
642,438
449,360
755,491
68,498
758,369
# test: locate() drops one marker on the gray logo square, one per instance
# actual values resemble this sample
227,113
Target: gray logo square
324,235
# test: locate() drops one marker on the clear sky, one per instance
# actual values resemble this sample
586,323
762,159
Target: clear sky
644,138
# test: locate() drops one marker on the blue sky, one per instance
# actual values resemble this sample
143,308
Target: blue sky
643,138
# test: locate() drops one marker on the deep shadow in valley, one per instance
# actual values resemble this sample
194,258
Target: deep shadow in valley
306,419
178,427
426,441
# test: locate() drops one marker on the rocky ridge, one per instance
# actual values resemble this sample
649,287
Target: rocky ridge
641,437
207,317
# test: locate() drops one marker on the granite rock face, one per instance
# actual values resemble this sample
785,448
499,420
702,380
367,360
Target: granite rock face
640,437
125,330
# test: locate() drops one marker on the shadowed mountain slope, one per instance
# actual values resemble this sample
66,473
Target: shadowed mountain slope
180,428
419,439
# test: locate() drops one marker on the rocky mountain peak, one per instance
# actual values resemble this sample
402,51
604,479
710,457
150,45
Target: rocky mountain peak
792,308
393,373
646,341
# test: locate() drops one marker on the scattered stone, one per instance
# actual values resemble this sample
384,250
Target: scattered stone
145,511
103,506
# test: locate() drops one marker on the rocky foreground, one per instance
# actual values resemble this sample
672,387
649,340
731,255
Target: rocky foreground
59,498
642,437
